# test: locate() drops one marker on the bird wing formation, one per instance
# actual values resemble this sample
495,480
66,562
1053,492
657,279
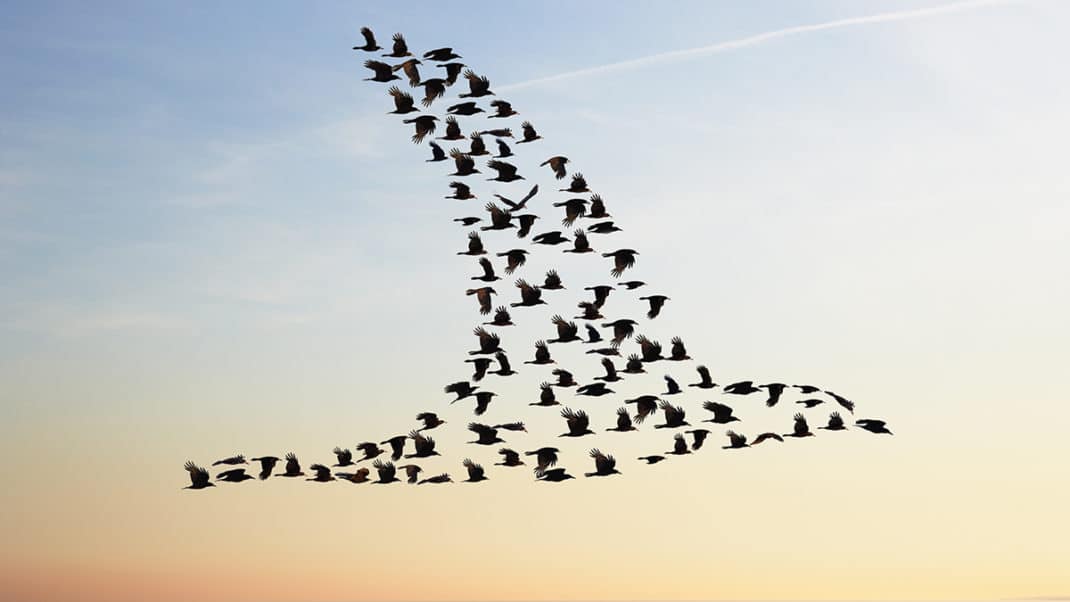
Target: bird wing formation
593,238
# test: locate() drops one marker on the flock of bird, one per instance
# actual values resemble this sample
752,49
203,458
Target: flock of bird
587,216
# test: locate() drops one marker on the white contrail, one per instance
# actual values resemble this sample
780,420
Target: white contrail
760,38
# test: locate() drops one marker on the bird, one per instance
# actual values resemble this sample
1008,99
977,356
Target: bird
478,148
564,378
412,473
674,416
501,317
488,271
679,447
835,423
483,399
743,387
653,459
370,451
383,72
503,108
475,471
441,54
578,423
801,428
547,396
409,67
735,440
437,154
645,405
609,228
574,210
397,445
578,184
611,371
424,124
672,387
530,135
631,284
705,381
489,343
483,295
323,473
598,208
845,403
566,331
526,222
477,85
624,422
811,402
622,260
360,476
234,475
604,465
594,390
424,445
231,461
529,295
434,88
467,221
766,437
552,237
650,350
369,41
593,336
514,258
509,458
267,464
580,244
656,303
462,389
198,476
678,352
464,108
403,101
601,293
387,472
623,329
634,365
486,435
807,389
506,171
699,436
503,150
498,132
542,354
873,426
293,467
605,351
552,281
590,312
400,47
344,456
555,475
522,204
545,457
722,414
453,71
430,420
775,391
461,192
442,478
557,164
453,128
464,163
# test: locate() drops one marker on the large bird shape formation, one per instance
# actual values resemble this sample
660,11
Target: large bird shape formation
585,217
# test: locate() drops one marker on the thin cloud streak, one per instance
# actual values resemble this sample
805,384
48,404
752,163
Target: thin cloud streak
760,38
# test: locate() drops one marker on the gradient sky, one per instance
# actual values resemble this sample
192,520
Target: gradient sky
212,240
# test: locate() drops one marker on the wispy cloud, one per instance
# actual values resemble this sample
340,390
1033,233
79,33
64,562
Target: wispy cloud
760,38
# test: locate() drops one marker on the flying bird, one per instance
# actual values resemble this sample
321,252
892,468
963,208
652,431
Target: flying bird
198,477
503,108
489,343
430,420
604,465
656,303
545,457
529,295
267,465
624,421
424,124
400,47
522,204
542,354
801,428
722,414
514,259
403,103
231,461
387,472
475,472
874,426
323,473
530,135
369,41
578,184
383,72
674,416
578,423
622,260
488,271
509,458
483,295
344,456
477,85
461,192
557,164
293,467
441,54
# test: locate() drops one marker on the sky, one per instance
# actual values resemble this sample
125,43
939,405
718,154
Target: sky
213,240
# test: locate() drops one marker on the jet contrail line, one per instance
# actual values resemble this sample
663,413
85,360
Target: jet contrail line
760,38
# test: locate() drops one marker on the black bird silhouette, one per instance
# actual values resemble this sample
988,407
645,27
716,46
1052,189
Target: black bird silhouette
293,467
705,382
453,71
594,390
566,331
323,473
344,456
590,312
634,365
430,420
400,47
198,476
874,426
489,343
601,293
412,473
383,72
453,129
801,428
699,436
557,164
231,461
835,423
574,209
503,108
807,389
234,475
650,350
397,445
631,284
464,163
611,371
529,295
546,397
645,405
501,317
498,132
580,244
461,192
654,459
360,476
437,154
483,295
424,445
483,399
624,421
578,184
609,228
542,354
477,85
845,403
442,478
578,423
506,171
467,221
672,387
552,282
464,108
487,435
475,472
775,391
530,135
509,458
387,472
488,271
656,303
409,67
514,259
462,389
735,440
564,378
503,150
370,450
593,336
622,329
552,237
424,124
545,457
679,447
743,387
678,352
555,475
598,208
267,465
435,88
622,260
674,416
478,147
766,437
523,202
504,369
404,103
369,41
526,222
604,465
811,402
441,54
722,414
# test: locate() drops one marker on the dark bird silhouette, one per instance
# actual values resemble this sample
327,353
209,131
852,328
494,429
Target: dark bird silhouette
578,423
845,403
435,88
611,371
424,124
622,260
323,473
462,389
705,381
424,446
678,352
530,135
656,303
453,129
545,457
743,387
464,108
475,472
552,282
609,228
397,445
722,414
267,465
430,420
601,293
512,426
679,447
552,237
400,47
557,164
509,458
441,54
623,329
735,441
464,163
370,450
514,259
624,421
383,72
437,154
503,108
590,312
453,71
486,435
489,343
231,461
293,467
801,428
483,399
387,472
775,391
499,220
555,475
412,473
674,416
593,336
653,459
467,221
529,295
672,387
835,423
360,476
503,150
699,436
483,295
766,437
461,192
594,390
501,317
523,202
574,209
650,350
580,244
498,132
488,271
566,331
478,147
634,365
403,102
564,378
811,402
631,284
645,405
198,476
506,171
876,427
526,222
369,41
578,184
411,71
542,354
547,396
442,478
807,389
606,351
344,457
234,475
477,85
604,465
598,208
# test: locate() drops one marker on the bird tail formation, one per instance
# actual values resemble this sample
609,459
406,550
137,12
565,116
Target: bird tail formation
620,352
